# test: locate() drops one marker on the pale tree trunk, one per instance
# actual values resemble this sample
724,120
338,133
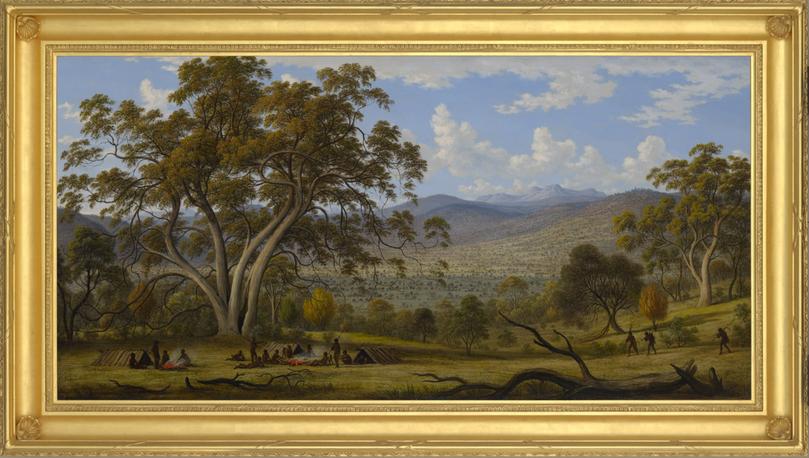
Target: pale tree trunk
260,266
705,293
240,271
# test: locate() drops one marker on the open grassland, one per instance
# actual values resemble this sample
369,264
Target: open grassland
78,379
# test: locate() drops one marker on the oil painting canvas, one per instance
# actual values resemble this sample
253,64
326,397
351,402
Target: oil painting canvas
431,228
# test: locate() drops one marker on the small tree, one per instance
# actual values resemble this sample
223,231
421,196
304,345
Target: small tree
471,325
653,304
424,323
445,316
320,308
345,316
404,324
592,282
512,291
381,317
290,312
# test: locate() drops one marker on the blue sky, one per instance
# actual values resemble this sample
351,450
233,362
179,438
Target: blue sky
498,124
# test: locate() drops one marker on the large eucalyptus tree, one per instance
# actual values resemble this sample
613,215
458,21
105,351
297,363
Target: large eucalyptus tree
249,169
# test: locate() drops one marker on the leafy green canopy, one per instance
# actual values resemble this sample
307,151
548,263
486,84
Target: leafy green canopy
249,169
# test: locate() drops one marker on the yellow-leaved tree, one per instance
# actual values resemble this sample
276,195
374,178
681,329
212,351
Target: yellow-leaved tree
319,309
653,304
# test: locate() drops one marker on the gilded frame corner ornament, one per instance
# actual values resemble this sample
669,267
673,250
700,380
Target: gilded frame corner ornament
772,33
27,28
28,428
779,26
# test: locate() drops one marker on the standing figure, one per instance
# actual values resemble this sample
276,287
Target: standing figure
133,362
632,344
649,337
254,350
722,335
156,354
165,358
335,351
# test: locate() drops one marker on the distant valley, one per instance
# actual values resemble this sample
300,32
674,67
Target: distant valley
494,236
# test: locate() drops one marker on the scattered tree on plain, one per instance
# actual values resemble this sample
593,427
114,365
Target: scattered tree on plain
424,323
470,325
381,316
512,290
591,282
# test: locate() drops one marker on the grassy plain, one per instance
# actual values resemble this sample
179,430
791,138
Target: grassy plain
78,379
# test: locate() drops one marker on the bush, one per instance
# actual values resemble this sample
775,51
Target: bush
742,328
506,338
678,335
606,348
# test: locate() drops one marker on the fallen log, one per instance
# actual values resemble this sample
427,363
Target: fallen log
586,385
236,382
140,389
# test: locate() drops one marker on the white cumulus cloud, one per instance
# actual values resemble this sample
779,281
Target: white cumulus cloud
287,77
172,64
154,98
69,111
565,89
67,139
458,147
566,81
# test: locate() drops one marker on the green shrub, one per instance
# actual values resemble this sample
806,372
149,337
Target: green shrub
506,339
742,328
678,335
606,348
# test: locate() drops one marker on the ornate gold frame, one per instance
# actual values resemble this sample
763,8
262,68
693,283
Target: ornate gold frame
771,32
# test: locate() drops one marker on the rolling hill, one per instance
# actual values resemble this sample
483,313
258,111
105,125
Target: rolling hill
499,215
538,244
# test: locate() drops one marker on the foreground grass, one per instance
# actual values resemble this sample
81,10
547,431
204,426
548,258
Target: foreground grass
77,379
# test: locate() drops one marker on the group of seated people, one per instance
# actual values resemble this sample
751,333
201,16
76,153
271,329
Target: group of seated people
290,355
330,359
163,362
283,356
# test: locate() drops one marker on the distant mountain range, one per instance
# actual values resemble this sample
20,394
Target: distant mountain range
535,243
543,194
493,215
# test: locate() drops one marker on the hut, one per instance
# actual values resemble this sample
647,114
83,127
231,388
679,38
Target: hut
120,358
376,355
